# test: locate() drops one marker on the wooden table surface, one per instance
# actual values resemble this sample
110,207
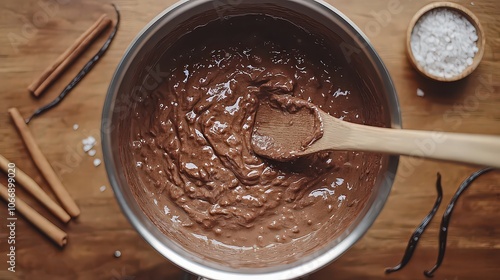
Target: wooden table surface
34,32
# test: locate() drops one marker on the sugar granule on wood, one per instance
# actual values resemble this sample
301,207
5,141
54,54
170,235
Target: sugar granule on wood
97,162
444,43
75,126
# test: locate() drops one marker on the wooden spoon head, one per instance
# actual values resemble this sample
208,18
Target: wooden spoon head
285,126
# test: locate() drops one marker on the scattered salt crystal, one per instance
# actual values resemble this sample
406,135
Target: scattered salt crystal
89,141
420,92
87,147
118,254
472,3
102,188
444,42
97,162
75,126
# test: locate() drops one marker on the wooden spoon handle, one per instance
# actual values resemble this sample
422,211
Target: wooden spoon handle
458,147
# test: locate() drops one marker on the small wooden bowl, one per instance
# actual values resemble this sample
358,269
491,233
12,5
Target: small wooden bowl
481,41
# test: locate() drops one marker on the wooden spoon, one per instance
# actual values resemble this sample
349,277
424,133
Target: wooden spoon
287,127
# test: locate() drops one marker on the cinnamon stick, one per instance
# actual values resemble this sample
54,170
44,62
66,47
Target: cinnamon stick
37,82
43,165
53,232
32,187
52,72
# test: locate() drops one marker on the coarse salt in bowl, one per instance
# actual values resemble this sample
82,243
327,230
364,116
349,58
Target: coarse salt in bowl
445,41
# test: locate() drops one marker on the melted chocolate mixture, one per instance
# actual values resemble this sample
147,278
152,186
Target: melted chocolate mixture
191,139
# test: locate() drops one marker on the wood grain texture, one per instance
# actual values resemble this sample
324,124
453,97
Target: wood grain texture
470,106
